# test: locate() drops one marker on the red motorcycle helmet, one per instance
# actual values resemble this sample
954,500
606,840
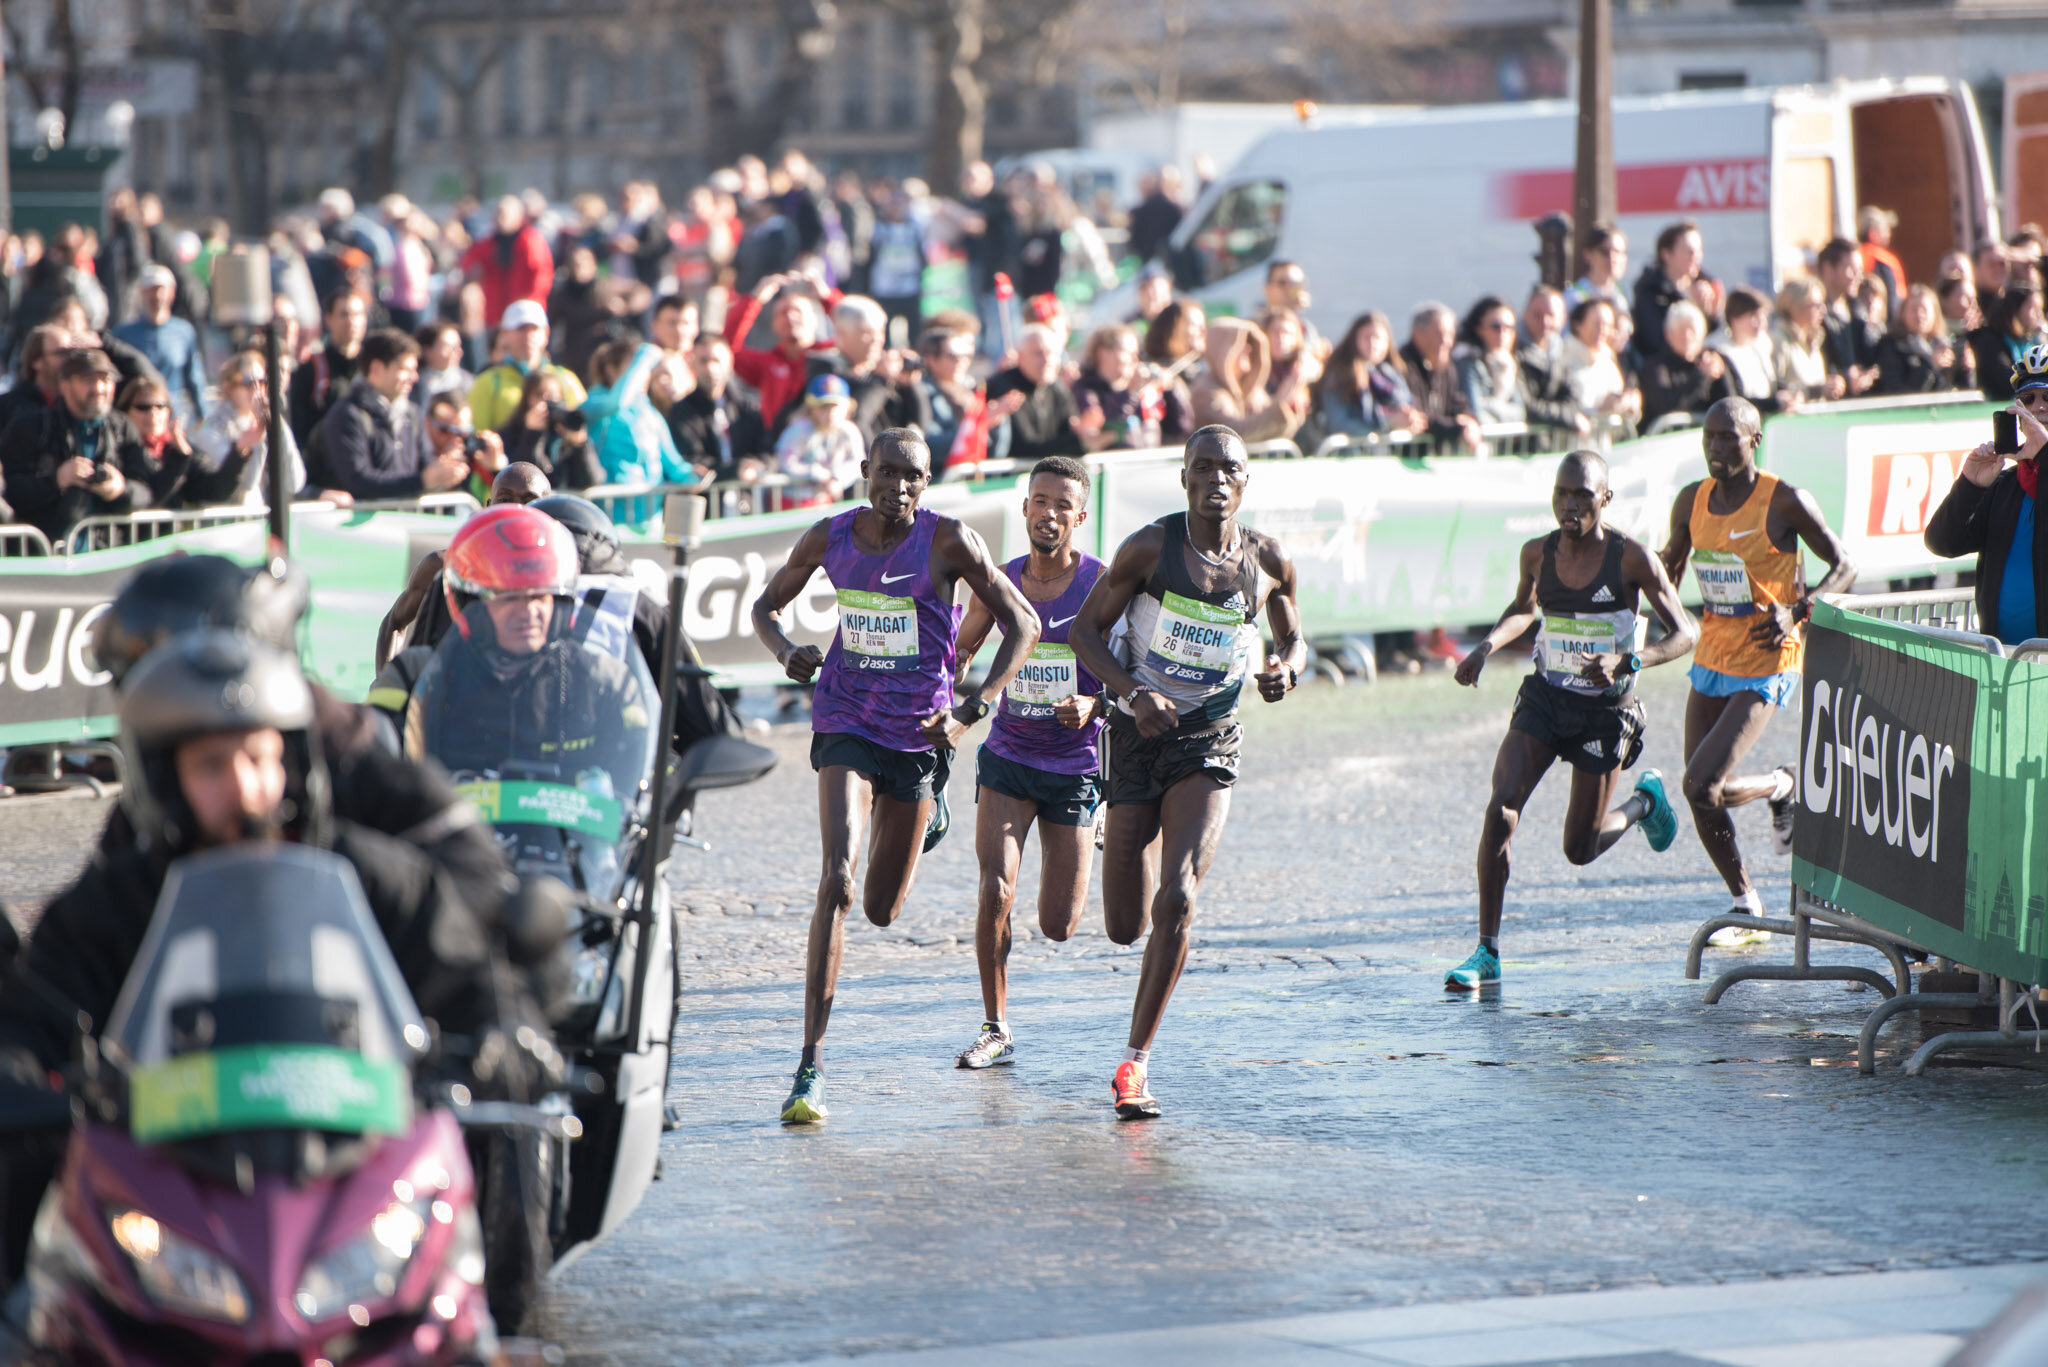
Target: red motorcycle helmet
507,549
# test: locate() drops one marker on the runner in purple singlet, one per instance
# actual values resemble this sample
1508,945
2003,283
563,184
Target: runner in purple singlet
1041,756
883,718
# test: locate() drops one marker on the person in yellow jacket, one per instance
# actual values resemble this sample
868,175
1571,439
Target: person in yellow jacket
495,396
1740,529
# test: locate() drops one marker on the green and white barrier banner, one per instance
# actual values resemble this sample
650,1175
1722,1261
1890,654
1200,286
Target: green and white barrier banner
1922,797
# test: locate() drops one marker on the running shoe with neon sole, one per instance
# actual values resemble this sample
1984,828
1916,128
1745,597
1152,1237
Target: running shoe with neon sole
1736,937
992,1048
1134,1100
806,1103
1660,823
1781,813
940,822
1480,969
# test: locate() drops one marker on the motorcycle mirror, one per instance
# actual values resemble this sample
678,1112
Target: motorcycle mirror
722,762
536,920
10,939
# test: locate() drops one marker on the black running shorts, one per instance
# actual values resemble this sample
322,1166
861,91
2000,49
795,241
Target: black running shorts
1592,736
1063,799
905,775
1141,769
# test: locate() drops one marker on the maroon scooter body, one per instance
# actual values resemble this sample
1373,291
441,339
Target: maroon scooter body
90,1307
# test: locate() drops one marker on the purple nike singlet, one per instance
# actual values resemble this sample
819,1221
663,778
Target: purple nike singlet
1025,729
891,661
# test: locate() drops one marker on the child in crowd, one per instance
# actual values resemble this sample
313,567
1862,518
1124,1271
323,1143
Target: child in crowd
821,449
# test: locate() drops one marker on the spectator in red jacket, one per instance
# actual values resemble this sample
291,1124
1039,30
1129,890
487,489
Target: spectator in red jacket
510,263
777,373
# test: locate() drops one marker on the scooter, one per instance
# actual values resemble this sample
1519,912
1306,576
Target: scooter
260,1168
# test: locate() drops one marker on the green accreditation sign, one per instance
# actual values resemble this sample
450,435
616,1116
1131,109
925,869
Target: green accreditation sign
546,804
1922,800
267,1087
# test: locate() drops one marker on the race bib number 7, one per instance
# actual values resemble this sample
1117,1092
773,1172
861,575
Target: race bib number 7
1724,583
1048,678
1195,641
877,632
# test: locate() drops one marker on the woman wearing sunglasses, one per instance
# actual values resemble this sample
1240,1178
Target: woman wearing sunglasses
231,448
146,403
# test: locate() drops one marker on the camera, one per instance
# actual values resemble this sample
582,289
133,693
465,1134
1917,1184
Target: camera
566,418
472,445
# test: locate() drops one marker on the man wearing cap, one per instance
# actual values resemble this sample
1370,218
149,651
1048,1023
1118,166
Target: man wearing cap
171,344
1874,233
495,395
78,458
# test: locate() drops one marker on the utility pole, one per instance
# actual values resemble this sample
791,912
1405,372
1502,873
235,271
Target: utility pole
6,189
1593,178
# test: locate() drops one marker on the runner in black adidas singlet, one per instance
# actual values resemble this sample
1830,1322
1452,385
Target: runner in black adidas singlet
1184,595
1580,587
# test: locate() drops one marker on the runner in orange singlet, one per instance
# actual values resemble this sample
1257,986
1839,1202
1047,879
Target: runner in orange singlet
1740,530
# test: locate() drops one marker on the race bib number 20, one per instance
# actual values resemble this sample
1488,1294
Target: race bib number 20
877,632
1047,679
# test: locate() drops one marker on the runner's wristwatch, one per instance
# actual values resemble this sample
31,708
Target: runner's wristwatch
1631,663
974,708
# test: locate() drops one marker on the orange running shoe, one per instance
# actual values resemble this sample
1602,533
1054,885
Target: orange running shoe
1134,1101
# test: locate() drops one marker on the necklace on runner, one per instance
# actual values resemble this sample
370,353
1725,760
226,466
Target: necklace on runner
1223,553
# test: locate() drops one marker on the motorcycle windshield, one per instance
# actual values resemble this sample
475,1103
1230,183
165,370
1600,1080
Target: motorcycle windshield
264,998
548,730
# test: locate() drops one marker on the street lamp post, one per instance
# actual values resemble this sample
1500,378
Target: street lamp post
241,298
1593,176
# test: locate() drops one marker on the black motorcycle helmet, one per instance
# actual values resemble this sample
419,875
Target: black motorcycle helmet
204,682
597,540
181,592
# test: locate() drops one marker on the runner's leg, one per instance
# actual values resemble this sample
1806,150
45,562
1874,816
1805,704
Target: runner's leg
1517,768
1130,869
1590,826
1066,857
894,845
1718,733
1191,818
843,799
1001,823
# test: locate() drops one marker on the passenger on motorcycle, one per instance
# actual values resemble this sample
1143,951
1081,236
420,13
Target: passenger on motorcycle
219,735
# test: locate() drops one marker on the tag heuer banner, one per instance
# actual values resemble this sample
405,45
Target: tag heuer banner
1921,791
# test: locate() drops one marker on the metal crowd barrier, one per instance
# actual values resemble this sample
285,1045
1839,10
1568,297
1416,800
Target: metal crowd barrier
18,538
1950,615
1496,439
128,529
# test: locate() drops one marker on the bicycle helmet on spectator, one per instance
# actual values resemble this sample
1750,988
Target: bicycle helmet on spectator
181,592
2031,370
210,681
507,549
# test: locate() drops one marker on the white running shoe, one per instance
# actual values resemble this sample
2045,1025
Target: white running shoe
1781,813
993,1047
1735,937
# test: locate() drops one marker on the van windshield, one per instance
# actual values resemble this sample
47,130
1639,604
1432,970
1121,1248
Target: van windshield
1241,230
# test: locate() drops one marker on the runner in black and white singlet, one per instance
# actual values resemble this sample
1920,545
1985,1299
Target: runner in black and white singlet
1185,595
1580,587
882,717
1039,762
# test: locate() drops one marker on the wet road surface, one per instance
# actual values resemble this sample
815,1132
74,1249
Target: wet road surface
1338,1132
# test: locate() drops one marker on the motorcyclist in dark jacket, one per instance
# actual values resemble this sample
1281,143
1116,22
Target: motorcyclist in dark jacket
219,735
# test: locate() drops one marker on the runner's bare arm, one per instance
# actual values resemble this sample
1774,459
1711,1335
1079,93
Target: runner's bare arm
965,556
799,662
406,610
1104,607
1289,655
1796,512
1519,617
1645,573
974,630
1679,548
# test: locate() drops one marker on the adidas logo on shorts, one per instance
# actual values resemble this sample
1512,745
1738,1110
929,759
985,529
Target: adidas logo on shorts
1603,595
1595,749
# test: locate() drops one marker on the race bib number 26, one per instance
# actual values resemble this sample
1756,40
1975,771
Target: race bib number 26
877,632
1195,641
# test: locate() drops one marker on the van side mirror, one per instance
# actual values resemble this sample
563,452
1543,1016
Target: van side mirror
722,762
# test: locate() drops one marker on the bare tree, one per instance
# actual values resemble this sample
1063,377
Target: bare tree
233,30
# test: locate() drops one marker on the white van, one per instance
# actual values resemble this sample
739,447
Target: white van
1439,204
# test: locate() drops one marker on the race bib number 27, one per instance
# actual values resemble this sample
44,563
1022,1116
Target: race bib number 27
877,632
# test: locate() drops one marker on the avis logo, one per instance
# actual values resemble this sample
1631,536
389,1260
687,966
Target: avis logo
1905,486
1882,777
1730,185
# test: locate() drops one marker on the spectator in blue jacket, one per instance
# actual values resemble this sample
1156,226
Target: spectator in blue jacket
632,438
171,344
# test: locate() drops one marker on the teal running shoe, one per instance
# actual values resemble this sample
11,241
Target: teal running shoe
806,1104
1480,969
941,821
1660,825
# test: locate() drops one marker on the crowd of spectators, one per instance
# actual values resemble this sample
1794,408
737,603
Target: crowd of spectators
759,334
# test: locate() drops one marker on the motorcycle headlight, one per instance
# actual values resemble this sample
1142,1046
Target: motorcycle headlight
367,1267
178,1274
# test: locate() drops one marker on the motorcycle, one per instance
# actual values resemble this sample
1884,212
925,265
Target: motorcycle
260,1168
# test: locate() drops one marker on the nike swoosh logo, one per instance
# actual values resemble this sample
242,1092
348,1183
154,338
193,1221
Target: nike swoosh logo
899,578
1055,626
1732,536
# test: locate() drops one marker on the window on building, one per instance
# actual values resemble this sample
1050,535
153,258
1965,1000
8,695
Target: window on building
426,104
1713,80
1241,231
554,98
597,89
856,75
512,88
